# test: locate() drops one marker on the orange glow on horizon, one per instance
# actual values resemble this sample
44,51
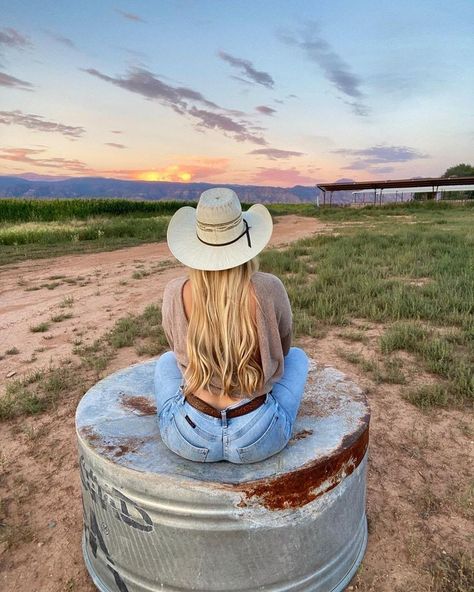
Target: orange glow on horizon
171,173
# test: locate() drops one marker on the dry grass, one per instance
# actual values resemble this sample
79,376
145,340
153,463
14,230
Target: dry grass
452,573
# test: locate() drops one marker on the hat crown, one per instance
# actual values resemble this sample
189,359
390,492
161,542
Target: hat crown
216,234
219,216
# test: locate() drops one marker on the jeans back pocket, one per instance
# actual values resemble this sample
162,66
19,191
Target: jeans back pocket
178,443
274,438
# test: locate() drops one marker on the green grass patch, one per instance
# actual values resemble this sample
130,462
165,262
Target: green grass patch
31,240
428,395
435,210
31,229
41,389
37,391
147,326
417,279
139,274
144,331
449,356
101,230
388,371
48,210
353,335
61,317
40,328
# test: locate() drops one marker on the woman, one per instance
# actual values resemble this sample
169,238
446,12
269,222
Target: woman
231,386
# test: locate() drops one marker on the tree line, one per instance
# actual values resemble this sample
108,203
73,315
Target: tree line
460,170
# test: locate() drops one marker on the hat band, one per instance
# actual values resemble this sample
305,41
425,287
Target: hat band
207,226
246,231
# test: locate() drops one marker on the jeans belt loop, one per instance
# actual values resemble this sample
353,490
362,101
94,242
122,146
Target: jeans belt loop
224,417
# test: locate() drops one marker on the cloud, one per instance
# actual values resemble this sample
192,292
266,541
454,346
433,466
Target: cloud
130,16
61,39
265,110
247,82
379,155
27,156
189,169
37,122
358,107
210,120
116,131
285,177
12,38
114,145
333,66
184,101
274,153
12,82
247,70
384,169
144,83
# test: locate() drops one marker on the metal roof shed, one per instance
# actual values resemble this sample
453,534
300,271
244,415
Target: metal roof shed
396,184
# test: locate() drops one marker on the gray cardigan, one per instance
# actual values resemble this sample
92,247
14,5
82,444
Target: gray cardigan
273,316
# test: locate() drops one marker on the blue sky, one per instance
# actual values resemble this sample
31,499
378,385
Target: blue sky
262,92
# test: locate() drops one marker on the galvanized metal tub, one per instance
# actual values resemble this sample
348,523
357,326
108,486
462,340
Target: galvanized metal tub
155,521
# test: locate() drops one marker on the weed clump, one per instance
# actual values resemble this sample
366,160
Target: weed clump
452,573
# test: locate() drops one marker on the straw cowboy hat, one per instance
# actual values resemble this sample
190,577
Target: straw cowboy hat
217,234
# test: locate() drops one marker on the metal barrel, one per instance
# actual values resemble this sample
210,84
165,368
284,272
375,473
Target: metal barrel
155,521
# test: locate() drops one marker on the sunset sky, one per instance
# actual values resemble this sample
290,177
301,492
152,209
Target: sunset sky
265,92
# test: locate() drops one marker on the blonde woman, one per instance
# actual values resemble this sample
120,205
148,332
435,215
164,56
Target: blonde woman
231,386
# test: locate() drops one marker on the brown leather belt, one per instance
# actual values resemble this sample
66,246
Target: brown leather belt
201,405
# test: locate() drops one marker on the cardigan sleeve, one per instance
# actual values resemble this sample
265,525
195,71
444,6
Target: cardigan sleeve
285,317
167,313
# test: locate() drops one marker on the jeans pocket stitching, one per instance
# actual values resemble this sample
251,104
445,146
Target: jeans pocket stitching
245,451
201,451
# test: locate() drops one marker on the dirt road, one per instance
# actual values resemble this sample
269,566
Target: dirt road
96,288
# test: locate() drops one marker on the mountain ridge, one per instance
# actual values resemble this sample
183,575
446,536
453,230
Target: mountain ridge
104,187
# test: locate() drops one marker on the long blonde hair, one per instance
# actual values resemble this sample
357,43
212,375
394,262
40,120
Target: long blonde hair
222,339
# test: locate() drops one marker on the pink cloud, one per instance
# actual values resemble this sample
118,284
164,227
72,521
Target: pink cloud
282,177
35,157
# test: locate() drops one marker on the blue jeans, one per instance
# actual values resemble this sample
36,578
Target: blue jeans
245,439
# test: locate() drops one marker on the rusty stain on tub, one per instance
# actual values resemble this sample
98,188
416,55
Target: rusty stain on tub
298,488
108,448
138,403
300,435
89,434
128,445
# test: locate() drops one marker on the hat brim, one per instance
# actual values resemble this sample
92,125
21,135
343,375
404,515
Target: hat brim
189,250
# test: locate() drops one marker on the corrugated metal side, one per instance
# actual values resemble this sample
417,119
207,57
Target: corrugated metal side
183,536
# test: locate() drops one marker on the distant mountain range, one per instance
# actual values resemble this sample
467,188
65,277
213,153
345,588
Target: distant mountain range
31,185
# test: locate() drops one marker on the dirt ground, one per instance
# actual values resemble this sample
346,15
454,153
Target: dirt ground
419,490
